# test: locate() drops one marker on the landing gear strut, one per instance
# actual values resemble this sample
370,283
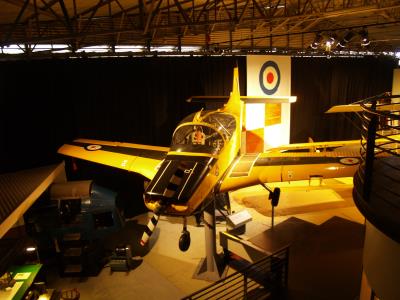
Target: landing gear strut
184,240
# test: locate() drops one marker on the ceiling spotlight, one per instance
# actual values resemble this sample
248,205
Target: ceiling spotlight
329,43
317,40
364,37
346,39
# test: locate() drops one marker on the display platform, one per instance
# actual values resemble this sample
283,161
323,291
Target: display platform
284,234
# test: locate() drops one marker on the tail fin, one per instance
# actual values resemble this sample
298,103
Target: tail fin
235,104
312,148
235,83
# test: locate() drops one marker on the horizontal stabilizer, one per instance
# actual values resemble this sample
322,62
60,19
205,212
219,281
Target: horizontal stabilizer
269,99
246,99
358,108
201,99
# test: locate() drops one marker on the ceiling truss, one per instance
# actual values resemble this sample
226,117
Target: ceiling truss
214,25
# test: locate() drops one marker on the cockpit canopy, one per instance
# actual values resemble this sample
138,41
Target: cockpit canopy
204,132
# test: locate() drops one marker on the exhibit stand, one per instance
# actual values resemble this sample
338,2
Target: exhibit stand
213,266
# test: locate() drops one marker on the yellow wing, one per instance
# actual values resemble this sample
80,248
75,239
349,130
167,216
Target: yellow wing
315,145
275,166
136,158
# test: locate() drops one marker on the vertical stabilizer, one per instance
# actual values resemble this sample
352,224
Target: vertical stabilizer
235,83
234,104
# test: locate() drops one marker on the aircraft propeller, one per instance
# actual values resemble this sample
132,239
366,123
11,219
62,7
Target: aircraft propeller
151,225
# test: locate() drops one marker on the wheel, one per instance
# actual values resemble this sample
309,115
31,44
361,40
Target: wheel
275,197
184,241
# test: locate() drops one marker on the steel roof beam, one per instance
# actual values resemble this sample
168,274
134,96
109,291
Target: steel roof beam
151,14
184,15
205,18
31,7
21,12
42,9
66,16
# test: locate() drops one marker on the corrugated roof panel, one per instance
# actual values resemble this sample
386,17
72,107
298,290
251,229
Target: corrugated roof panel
20,189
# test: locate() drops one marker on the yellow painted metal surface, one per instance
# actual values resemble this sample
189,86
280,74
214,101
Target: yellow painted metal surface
223,176
121,144
224,159
143,166
315,145
292,172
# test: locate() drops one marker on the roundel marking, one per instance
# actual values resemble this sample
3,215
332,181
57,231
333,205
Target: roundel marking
269,77
93,147
349,161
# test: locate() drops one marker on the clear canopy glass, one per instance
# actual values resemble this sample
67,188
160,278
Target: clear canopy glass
206,136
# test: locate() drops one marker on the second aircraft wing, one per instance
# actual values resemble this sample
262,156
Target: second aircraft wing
252,169
142,159
316,145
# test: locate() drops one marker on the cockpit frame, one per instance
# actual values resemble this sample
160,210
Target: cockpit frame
198,132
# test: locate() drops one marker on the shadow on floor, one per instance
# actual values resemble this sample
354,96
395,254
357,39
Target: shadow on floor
325,261
130,235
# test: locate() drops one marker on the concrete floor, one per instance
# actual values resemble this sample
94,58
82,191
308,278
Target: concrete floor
164,272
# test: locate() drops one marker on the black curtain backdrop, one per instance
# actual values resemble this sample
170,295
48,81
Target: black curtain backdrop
320,83
46,103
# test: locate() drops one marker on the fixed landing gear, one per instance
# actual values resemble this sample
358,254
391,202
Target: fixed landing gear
184,240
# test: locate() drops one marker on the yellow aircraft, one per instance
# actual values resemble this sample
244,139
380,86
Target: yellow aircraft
205,158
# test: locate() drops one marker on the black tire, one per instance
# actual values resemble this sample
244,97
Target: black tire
275,197
184,241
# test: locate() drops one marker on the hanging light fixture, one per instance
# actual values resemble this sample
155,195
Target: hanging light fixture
317,41
364,37
330,42
346,39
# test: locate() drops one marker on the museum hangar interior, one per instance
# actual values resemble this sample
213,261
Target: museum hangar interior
265,197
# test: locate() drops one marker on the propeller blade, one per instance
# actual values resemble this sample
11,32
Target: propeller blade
149,229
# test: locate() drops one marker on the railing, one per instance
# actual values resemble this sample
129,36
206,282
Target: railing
265,279
377,182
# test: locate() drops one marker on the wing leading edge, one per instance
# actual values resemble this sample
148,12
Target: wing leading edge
141,159
315,145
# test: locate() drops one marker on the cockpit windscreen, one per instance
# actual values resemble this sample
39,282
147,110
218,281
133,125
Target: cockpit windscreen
207,136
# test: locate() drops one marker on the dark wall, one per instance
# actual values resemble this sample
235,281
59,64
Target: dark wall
320,83
46,103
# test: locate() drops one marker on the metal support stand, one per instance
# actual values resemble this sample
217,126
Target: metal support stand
212,267
272,215
274,202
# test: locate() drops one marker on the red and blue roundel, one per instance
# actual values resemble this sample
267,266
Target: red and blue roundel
269,77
